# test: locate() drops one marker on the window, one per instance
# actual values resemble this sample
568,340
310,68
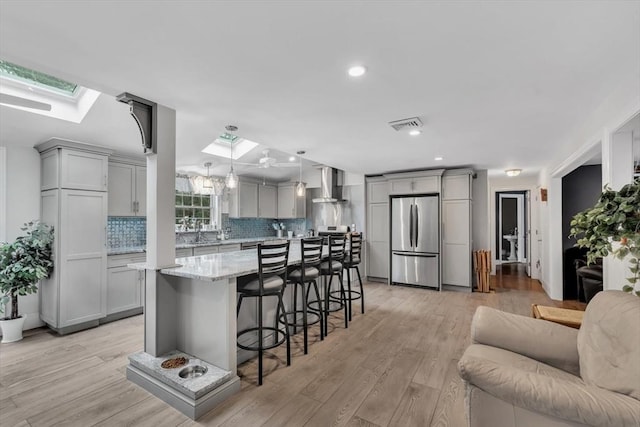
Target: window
192,207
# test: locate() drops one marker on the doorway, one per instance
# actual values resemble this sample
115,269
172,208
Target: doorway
512,231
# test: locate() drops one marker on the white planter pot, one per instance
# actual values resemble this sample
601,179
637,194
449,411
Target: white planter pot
12,329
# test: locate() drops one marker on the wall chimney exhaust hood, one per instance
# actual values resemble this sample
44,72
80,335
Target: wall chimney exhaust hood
330,185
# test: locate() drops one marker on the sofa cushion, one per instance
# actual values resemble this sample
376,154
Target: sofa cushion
609,343
545,389
518,361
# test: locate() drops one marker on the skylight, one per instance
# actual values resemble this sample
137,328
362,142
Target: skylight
36,78
32,91
222,146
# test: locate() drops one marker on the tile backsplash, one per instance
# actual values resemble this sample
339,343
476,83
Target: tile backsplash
126,232
242,228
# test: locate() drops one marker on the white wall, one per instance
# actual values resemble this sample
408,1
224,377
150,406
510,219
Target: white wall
480,211
3,194
617,151
606,122
23,205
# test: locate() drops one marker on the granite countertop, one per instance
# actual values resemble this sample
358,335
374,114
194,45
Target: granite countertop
221,266
142,249
224,266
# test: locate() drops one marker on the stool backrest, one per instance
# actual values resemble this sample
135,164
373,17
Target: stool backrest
311,251
272,259
355,248
336,244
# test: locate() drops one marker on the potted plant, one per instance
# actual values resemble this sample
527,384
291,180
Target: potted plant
23,264
612,226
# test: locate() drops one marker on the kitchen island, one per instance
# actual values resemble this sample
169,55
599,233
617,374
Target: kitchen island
191,312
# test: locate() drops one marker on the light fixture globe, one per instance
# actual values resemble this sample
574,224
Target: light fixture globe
231,181
301,187
513,172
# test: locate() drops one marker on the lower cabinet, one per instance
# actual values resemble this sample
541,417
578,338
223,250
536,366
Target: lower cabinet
125,287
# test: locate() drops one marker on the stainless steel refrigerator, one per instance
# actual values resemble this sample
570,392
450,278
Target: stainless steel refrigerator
415,240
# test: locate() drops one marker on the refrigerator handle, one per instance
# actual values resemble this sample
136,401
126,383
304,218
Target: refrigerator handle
416,218
411,225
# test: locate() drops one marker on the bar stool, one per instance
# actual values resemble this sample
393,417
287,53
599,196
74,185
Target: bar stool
332,266
306,277
272,276
352,261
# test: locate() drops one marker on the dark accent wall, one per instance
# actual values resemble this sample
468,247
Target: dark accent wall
580,190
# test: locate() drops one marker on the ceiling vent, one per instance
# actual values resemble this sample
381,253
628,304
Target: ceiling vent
404,124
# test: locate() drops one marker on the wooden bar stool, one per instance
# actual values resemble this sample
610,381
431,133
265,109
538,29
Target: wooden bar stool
352,261
306,277
272,276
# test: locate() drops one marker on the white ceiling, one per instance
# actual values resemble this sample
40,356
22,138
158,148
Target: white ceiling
498,84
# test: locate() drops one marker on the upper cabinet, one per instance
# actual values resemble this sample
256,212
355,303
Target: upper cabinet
290,205
378,192
72,165
456,187
415,182
267,201
127,189
243,200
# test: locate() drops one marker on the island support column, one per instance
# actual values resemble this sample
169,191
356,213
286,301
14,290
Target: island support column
161,239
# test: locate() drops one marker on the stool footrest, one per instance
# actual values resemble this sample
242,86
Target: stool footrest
294,313
264,347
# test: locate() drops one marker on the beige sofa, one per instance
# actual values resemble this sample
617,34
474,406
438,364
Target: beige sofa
520,371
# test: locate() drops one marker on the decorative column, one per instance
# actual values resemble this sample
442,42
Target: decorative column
157,126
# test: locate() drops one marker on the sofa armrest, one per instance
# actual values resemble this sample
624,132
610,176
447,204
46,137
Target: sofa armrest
546,342
569,400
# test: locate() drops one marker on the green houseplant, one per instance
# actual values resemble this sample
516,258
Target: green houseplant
614,218
23,264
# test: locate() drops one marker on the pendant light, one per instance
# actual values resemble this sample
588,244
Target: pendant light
301,187
207,183
231,180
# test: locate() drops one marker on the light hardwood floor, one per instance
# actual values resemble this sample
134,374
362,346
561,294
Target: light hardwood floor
394,366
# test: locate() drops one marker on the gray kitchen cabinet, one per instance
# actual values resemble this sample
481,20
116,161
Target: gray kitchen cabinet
229,248
456,187
72,165
74,297
127,189
184,252
377,234
243,200
290,205
267,201
421,182
205,250
125,287
456,228
378,192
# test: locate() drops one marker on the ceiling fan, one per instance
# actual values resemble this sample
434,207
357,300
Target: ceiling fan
267,161
23,102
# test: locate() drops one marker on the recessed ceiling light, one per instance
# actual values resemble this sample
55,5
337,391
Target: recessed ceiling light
513,172
292,158
357,71
415,132
437,159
